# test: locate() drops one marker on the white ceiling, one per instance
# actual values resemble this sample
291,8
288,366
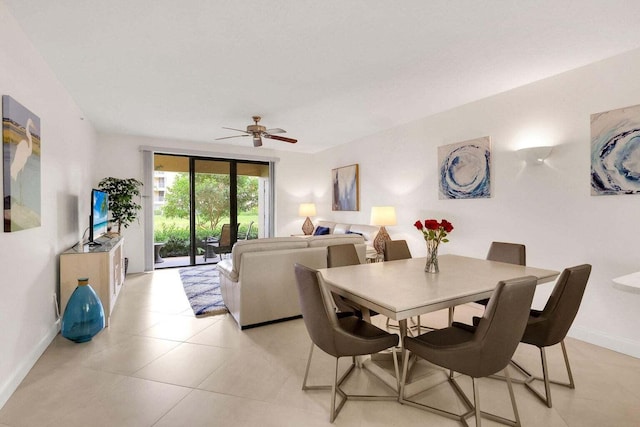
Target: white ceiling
326,71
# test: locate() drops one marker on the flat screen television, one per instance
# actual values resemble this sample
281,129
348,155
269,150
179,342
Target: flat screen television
99,218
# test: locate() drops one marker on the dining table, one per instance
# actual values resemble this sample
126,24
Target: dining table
402,289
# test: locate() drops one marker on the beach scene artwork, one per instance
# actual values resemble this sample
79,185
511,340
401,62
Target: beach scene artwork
21,166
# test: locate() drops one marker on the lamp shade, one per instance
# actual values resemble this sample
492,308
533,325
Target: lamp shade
307,209
383,215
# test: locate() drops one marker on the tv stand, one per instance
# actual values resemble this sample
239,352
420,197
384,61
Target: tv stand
103,264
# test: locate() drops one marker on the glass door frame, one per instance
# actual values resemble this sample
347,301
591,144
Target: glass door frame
147,193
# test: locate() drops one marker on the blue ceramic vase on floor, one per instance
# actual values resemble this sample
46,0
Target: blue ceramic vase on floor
84,316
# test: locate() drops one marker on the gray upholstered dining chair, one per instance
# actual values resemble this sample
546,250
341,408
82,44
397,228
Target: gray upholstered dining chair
511,253
340,256
550,326
477,351
339,336
396,250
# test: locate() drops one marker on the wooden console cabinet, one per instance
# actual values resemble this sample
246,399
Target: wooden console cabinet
103,265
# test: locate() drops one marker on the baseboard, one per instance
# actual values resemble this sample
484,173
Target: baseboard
270,322
10,385
619,344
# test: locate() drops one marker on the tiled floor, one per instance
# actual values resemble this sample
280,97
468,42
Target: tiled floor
157,365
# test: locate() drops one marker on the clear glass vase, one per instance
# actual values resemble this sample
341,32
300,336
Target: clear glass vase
84,315
432,258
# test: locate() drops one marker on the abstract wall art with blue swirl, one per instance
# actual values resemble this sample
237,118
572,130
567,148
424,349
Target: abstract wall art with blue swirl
465,169
615,152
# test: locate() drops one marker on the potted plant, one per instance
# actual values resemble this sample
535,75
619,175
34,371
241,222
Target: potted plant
123,207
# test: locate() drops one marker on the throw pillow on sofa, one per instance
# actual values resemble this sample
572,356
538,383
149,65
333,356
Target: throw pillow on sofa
321,231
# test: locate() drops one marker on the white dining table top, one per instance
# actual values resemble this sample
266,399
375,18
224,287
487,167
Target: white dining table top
402,289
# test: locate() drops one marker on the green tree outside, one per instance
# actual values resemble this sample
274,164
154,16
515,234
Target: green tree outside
212,198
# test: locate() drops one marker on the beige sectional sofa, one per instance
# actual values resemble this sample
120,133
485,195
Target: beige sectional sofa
258,283
368,232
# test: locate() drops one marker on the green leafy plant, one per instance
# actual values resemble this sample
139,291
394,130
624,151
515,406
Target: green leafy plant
124,209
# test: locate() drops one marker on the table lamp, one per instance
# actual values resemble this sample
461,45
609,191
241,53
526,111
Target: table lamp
307,209
382,216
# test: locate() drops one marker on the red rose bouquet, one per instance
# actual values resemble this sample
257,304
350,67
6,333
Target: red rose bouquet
434,232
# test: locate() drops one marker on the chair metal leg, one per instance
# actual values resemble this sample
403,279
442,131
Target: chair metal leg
473,408
476,402
530,378
571,384
545,377
306,372
337,382
512,396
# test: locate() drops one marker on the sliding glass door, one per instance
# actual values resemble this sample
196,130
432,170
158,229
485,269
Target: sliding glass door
203,206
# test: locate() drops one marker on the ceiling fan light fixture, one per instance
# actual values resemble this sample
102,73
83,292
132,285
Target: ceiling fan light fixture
257,131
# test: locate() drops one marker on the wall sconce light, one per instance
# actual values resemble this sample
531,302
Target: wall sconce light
307,209
382,216
534,155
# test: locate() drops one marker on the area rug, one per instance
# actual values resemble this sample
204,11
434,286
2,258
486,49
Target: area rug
202,287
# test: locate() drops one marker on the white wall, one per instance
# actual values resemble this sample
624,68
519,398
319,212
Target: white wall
29,258
548,207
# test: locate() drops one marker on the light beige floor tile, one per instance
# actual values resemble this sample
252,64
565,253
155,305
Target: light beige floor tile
131,402
133,320
129,356
47,398
203,408
178,328
187,364
224,333
251,375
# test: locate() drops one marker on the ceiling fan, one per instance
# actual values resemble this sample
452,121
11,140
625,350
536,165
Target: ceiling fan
258,132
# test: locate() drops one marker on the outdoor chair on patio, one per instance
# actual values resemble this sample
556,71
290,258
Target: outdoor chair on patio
219,246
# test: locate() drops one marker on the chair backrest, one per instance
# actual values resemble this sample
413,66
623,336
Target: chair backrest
341,255
502,325
225,235
246,236
396,249
512,253
550,326
319,317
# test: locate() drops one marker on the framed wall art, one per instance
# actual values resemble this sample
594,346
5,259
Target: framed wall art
21,157
615,152
465,169
346,188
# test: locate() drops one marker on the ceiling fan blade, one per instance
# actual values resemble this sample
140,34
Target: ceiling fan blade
257,141
239,130
280,138
234,136
275,130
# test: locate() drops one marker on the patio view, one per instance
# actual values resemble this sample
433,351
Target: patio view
197,202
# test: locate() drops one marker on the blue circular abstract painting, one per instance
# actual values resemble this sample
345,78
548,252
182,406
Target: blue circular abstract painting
615,152
465,170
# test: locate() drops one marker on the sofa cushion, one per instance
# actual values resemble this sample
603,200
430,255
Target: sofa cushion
341,228
369,232
334,239
261,245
